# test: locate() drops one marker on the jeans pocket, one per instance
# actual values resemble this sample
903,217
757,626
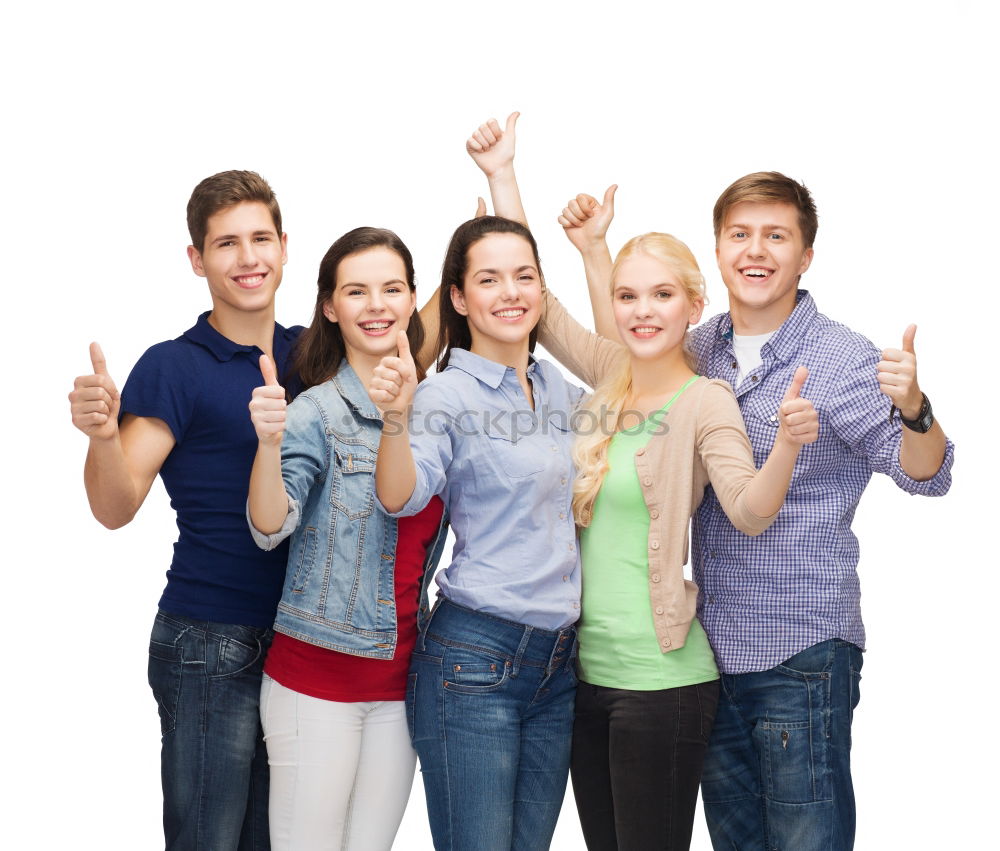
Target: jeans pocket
469,671
164,676
236,656
796,769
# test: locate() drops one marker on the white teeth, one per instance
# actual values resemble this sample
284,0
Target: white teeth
645,329
509,314
756,273
250,279
375,326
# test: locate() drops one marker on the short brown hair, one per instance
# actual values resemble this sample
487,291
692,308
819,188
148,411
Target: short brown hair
223,190
769,187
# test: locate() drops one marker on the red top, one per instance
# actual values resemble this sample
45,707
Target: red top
332,675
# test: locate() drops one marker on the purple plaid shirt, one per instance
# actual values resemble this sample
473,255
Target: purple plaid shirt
764,599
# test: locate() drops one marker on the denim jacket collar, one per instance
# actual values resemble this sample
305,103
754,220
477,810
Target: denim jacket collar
354,393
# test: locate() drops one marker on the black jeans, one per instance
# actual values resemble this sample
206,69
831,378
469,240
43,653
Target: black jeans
637,758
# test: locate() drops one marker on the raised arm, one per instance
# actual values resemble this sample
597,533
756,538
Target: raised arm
586,224
921,453
267,504
122,461
751,498
798,425
393,384
492,149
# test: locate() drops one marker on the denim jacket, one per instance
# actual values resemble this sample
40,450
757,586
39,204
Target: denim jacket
339,589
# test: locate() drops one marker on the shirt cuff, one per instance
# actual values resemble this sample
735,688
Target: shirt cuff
269,542
936,485
414,505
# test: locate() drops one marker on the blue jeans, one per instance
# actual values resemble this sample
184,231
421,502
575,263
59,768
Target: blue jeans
206,680
778,769
489,705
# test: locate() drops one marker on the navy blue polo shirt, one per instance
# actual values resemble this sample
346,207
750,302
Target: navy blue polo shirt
200,385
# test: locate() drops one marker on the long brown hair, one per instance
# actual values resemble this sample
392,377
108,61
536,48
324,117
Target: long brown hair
454,330
321,347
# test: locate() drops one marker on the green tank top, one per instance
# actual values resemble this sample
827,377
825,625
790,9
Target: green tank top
618,644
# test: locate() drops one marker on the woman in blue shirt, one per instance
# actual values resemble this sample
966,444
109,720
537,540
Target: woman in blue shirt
491,684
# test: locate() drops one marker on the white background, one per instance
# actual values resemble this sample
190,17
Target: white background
113,112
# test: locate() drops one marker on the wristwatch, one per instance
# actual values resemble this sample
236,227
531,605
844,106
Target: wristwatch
925,419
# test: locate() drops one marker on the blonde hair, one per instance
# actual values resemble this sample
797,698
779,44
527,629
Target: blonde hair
606,404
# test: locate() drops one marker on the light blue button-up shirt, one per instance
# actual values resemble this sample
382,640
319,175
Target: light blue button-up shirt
505,474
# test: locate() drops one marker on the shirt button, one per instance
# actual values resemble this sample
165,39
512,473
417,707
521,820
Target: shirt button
562,481
712,554
711,598
565,579
555,448
655,577
654,514
753,377
571,548
562,515
647,481
734,364
576,605
659,610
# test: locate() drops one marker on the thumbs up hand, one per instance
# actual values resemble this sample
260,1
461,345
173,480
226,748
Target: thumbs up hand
797,418
267,405
493,148
585,220
94,402
897,376
394,380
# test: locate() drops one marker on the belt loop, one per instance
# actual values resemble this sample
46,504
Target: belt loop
525,638
421,645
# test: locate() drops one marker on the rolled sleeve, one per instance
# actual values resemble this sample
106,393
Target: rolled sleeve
430,442
861,419
269,542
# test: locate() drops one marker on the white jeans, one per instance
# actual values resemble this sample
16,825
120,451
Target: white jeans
340,772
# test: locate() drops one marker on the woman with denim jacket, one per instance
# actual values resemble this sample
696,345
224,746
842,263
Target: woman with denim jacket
490,695
341,763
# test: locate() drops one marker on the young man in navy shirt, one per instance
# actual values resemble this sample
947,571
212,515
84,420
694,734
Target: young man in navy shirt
183,414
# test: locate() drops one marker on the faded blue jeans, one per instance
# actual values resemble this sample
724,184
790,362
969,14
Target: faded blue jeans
777,773
490,709
206,679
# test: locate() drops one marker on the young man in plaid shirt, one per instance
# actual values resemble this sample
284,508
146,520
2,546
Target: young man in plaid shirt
782,610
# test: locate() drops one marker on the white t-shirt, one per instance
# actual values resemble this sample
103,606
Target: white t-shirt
747,350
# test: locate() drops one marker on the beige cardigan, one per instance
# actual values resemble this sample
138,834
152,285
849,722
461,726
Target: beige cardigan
705,443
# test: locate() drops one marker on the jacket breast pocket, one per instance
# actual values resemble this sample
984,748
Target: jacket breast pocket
353,491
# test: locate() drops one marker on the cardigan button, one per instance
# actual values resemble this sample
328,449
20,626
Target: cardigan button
659,610
654,545
647,481
654,514
655,577
665,642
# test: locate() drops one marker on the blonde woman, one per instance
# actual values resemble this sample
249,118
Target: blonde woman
649,684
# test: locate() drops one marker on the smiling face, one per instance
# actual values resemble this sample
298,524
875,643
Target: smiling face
371,303
501,295
761,255
652,307
242,259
